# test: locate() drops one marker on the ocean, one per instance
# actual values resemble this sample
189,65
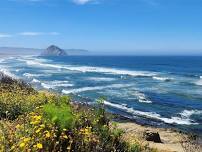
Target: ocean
158,91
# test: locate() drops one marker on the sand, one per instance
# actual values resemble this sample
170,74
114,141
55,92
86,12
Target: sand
172,141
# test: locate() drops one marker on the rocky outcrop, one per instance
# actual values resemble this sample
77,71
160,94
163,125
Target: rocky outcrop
54,51
152,136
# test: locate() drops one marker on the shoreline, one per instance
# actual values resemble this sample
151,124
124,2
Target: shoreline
172,140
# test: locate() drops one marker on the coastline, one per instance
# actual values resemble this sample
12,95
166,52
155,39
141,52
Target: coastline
172,140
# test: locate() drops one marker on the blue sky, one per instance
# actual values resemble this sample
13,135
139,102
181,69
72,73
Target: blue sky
132,26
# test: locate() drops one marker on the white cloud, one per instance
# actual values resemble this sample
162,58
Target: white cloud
31,33
37,33
82,2
3,35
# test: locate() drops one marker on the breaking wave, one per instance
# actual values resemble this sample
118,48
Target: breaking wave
142,97
55,84
93,69
95,88
36,81
188,113
30,75
152,115
162,78
100,79
8,73
199,82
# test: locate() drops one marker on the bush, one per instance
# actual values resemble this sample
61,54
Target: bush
40,121
60,114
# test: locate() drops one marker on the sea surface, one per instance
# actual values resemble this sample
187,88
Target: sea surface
159,91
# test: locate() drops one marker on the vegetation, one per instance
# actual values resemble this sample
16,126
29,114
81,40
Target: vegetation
39,121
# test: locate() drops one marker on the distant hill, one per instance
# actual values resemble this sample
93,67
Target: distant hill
19,51
54,51
77,51
35,51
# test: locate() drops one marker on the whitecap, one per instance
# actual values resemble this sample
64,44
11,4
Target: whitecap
199,82
8,73
92,69
55,84
162,78
152,115
110,71
100,79
30,75
141,97
95,88
188,113
36,81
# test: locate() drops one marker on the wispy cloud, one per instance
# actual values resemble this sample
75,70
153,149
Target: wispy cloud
82,2
37,33
4,35
31,33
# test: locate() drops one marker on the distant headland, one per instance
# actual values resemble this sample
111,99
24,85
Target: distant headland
34,51
54,51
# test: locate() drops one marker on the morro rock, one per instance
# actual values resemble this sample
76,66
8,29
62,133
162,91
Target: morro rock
53,51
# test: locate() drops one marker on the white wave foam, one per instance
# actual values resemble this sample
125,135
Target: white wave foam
188,113
110,71
91,69
8,73
2,60
162,78
141,97
55,84
199,82
30,75
153,115
100,79
95,88
36,81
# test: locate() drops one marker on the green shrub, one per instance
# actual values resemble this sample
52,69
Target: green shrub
59,114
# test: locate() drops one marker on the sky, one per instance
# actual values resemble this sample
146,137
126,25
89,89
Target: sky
107,26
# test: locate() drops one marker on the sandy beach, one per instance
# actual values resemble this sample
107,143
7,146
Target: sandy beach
172,141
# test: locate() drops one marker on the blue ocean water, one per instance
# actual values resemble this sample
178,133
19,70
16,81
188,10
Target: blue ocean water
161,91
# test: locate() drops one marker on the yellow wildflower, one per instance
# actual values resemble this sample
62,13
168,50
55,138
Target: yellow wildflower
47,134
38,130
65,136
22,145
42,126
18,126
39,146
26,139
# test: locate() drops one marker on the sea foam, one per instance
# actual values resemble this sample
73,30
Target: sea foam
100,79
162,78
142,97
91,69
30,75
55,84
95,88
188,113
152,115
8,73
